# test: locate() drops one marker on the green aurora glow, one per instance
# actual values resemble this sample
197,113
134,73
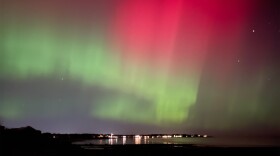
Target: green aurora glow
35,52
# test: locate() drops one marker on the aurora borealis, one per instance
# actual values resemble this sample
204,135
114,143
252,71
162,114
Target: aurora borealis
130,66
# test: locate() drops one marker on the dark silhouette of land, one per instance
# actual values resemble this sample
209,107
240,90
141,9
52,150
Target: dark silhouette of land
29,141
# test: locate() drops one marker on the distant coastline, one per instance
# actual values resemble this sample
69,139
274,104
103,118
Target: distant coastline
29,141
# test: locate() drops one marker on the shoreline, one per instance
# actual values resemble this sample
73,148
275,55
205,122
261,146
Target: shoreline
185,149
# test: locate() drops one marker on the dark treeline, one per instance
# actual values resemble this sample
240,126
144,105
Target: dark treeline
29,141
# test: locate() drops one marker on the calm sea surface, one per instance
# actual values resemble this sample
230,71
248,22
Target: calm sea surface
224,142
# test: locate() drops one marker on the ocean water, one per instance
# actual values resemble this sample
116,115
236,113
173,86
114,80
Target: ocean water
212,141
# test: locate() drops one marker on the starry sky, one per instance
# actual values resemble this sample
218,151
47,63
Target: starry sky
141,66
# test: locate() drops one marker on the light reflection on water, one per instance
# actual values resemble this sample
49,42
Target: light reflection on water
124,141
240,142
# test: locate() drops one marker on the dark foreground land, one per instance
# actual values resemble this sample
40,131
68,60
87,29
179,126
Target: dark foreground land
28,141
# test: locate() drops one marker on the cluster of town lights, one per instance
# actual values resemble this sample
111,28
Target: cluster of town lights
112,136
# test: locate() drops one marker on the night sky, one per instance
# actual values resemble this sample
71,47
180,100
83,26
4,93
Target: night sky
141,66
